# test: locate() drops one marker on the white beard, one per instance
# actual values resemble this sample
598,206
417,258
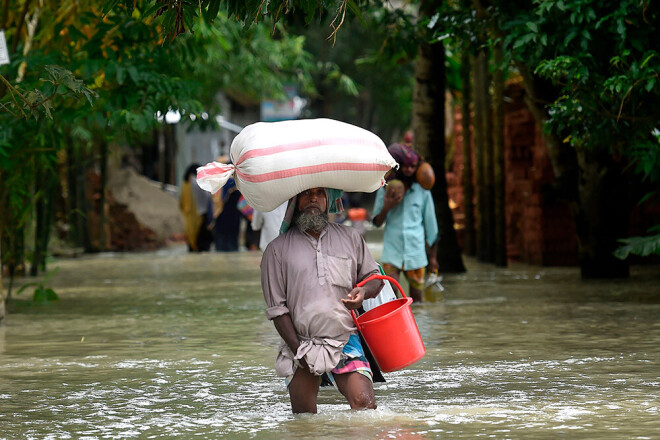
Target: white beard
311,222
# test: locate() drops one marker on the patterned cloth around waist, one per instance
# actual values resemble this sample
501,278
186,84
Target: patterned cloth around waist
352,359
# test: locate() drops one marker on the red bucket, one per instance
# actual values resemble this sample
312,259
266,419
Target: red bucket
390,331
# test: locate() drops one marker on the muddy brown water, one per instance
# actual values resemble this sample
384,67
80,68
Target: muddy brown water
176,345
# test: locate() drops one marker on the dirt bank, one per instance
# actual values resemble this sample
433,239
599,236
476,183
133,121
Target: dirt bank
154,207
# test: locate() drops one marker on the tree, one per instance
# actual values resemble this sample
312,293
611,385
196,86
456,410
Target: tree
599,108
367,84
429,128
113,54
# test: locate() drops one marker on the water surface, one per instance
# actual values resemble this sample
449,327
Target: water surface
176,345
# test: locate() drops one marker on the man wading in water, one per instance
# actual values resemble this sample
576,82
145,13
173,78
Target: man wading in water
307,277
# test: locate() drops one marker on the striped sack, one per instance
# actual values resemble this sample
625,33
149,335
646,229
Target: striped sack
273,161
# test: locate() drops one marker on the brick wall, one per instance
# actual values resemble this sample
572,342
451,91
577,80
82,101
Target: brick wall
538,231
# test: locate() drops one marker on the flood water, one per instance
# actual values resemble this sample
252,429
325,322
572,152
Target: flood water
174,345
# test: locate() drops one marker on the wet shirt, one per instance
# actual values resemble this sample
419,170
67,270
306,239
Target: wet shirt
408,225
307,278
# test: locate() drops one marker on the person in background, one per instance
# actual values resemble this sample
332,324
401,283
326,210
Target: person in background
307,277
227,219
408,212
194,203
268,223
251,235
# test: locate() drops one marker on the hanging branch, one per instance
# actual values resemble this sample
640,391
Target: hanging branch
5,14
21,18
340,11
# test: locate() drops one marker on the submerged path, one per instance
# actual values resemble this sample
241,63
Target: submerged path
173,344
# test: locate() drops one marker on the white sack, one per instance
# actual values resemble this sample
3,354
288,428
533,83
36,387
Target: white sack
273,161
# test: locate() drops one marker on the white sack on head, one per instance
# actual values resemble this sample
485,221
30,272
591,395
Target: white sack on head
273,161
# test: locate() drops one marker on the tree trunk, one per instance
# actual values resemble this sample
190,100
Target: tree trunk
49,215
161,155
83,203
469,243
70,195
603,216
170,153
79,231
102,199
498,159
3,308
480,136
39,227
489,179
45,180
12,248
429,130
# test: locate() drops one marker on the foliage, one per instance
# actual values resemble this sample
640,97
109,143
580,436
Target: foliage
92,73
60,83
177,17
367,84
642,246
604,59
41,294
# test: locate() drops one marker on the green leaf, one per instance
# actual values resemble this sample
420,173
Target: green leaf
647,59
620,27
644,199
356,10
76,34
642,246
121,75
134,74
51,295
571,35
212,10
25,286
108,6
44,295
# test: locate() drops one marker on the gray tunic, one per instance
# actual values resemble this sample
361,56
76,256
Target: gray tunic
307,279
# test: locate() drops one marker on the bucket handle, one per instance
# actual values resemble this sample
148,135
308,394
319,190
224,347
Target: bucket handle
375,276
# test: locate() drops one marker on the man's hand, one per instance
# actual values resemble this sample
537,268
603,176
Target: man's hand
391,199
303,363
355,298
433,264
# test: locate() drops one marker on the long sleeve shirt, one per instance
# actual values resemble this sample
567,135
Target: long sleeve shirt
307,278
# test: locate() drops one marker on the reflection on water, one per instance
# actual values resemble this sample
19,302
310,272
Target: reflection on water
169,344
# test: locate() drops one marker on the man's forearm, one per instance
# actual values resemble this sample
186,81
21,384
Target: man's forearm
433,250
372,288
379,219
287,331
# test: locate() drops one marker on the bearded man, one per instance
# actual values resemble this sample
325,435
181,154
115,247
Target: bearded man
307,277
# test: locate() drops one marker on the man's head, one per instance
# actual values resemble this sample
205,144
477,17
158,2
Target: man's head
408,161
312,210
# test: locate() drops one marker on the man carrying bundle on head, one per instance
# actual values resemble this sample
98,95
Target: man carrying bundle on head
307,276
309,271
